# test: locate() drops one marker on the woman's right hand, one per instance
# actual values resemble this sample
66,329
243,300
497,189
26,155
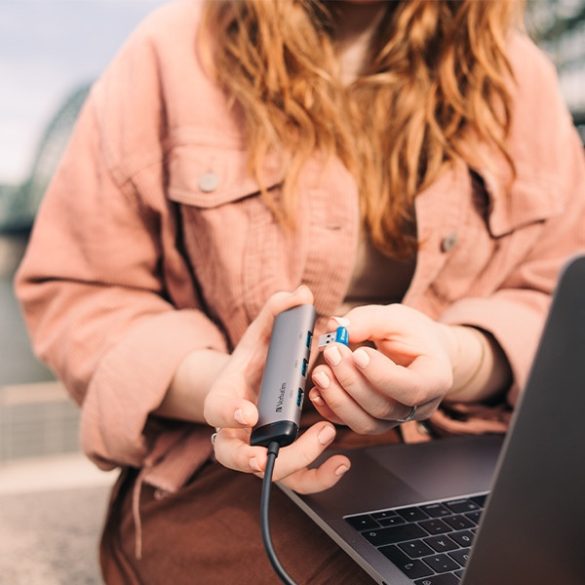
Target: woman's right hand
230,406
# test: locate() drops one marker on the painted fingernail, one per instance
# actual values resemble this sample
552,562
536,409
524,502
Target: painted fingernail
316,398
343,321
239,416
254,464
322,379
341,469
361,358
332,355
326,435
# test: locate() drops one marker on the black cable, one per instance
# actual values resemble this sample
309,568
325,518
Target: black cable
273,448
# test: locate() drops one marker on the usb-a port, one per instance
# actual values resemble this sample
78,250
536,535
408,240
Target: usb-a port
300,397
304,367
309,339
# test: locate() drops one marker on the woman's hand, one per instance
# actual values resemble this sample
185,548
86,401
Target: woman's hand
371,390
230,406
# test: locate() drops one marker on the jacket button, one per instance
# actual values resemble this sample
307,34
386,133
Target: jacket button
448,242
208,182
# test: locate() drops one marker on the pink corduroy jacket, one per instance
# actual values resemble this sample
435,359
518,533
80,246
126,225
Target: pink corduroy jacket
152,241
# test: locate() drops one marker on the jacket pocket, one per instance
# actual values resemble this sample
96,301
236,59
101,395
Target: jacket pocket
497,232
229,235
528,202
209,175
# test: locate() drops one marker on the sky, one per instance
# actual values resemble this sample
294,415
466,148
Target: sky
47,48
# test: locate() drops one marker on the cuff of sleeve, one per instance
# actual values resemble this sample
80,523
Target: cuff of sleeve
515,318
132,379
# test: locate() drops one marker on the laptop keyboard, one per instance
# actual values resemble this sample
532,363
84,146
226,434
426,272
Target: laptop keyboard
429,543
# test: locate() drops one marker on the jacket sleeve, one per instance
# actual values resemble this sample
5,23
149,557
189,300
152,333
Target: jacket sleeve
93,285
543,134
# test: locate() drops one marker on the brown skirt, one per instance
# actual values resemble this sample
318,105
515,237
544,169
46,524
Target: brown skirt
209,533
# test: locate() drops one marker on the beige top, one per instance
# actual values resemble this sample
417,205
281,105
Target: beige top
376,278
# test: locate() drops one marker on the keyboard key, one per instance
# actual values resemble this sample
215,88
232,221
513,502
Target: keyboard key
436,510
364,522
412,569
479,500
392,521
474,517
412,514
394,534
461,556
383,514
438,527
446,579
441,563
441,543
461,506
458,522
416,549
458,574
463,538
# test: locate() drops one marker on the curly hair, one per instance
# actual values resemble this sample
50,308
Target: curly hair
436,72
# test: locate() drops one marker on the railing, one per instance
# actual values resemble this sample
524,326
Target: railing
37,420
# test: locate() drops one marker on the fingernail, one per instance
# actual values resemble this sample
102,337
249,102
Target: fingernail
322,379
239,416
316,398
343,321
361,358
333,355
341,469
254,464
326,435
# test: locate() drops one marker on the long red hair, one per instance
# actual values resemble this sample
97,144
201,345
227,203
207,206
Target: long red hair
436,71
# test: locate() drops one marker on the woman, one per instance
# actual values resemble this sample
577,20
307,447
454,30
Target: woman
411,161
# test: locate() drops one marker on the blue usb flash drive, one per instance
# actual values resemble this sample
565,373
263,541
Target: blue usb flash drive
340,335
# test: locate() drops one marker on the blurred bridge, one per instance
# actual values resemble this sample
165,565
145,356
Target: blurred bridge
19,203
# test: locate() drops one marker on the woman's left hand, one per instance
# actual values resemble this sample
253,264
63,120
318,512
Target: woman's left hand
405,377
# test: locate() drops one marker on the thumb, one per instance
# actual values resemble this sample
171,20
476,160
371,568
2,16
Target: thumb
378,321
227,410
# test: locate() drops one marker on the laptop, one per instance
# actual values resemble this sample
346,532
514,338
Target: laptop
480,510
